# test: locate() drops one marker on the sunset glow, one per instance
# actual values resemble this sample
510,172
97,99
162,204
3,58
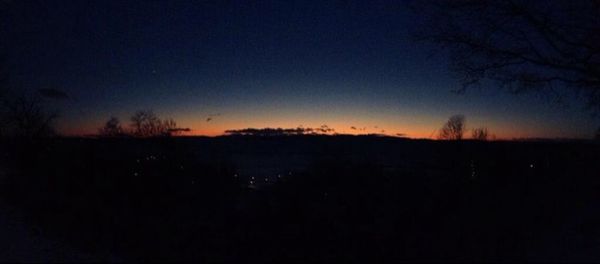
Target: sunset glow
232,63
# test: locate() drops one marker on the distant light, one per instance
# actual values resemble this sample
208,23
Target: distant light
266,179
531,166
135,174
252,177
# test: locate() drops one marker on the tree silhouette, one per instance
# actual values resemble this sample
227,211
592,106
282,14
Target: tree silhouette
25,117
170,128
480,133
112,128
4,97
597,136
4,119
454,128
168,125
146,124
547,46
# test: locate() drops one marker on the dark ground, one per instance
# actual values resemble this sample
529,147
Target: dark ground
300,198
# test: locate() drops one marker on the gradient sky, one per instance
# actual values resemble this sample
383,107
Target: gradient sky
257,64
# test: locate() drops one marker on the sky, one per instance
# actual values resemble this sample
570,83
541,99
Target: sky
257,64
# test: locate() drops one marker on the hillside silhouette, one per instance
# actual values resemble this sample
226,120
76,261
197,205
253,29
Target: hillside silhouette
310,198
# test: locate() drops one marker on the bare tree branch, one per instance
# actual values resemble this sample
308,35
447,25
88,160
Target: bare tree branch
522,45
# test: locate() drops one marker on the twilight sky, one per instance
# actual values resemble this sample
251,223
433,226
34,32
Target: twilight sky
256,64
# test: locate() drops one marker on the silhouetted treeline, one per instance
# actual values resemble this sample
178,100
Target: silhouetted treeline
144,123
456,126
324,129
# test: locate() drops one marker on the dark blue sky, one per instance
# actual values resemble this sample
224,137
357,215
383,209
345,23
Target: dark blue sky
257,64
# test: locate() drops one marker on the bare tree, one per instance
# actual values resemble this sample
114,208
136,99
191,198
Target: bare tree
24,115
26,118
112,128
454,128
548,46
4,97
480,133
170,128
147,124
4,115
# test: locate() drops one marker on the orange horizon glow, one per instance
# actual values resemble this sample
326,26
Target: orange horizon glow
418,132
410,126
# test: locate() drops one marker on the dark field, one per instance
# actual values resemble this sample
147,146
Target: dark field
309,198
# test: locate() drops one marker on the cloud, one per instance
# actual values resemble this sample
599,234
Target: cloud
323,130
53,93
179,129
211,117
